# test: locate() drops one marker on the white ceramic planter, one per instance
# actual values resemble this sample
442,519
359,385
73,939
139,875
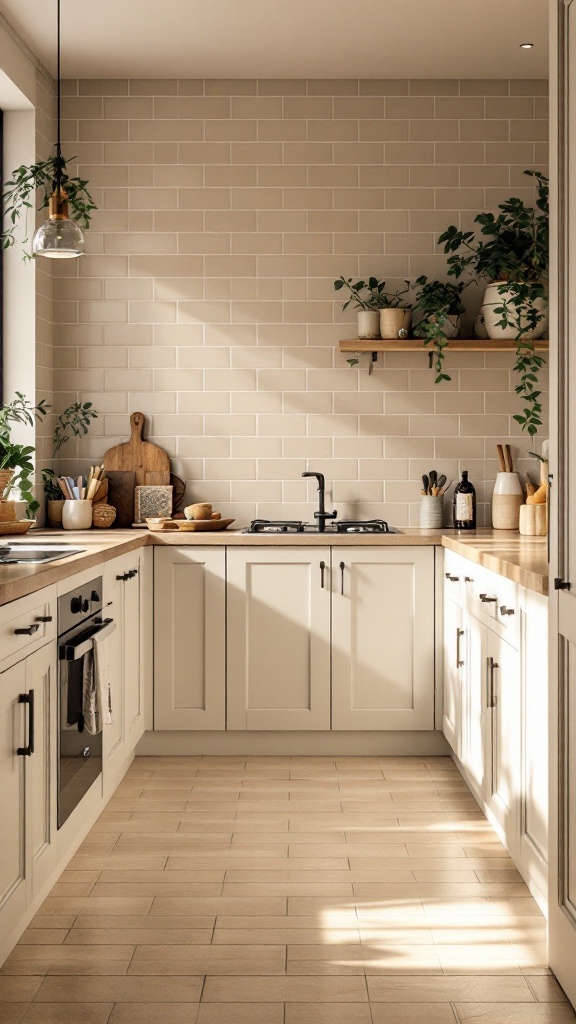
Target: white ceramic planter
393,320
77,515
369,323
493,299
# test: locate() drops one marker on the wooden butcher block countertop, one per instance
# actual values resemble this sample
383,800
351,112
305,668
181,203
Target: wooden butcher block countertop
521,559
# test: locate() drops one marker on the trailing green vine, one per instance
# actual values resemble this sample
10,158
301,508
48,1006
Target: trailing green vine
19,195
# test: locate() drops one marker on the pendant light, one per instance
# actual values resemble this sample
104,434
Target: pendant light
59,237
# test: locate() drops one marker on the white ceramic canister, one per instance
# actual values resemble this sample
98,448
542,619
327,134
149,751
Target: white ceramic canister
507,498
431,512
533,520
494,299
369,323
77,515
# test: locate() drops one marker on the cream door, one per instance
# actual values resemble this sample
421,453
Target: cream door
473,702
502,736
382,638
42,825
133,675
13,809
278,638
562,734
189,638
454,661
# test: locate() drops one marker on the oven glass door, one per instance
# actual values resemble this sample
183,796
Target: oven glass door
80,753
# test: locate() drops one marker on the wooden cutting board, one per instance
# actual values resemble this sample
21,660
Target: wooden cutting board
121,484
150,463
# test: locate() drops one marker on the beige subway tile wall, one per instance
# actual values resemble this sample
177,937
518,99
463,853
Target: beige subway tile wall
226,211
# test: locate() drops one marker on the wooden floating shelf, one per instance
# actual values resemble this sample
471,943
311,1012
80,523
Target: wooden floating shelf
417,345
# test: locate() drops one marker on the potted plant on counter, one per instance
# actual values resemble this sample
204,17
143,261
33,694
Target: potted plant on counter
513,258
365,295
440,306
16,467
74,421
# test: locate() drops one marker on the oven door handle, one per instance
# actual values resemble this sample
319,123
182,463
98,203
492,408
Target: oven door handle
75,651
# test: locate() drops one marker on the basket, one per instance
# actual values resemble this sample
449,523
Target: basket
5,478
7,511
103,515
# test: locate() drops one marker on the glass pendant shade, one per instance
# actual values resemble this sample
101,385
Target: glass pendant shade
59,238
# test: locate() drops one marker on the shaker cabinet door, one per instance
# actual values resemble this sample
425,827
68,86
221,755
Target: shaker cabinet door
13,803
279,638
189,638
42,767
383,638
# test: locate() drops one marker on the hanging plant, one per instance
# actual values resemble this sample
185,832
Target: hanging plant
440,304
19,193
513,257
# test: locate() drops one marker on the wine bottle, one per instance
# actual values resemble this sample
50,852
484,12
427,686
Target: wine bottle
465,504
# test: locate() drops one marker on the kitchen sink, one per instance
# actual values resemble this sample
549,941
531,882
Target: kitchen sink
34,554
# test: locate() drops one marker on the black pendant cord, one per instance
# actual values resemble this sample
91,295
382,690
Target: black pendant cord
59,162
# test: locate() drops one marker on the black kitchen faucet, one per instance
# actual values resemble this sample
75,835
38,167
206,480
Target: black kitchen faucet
321,515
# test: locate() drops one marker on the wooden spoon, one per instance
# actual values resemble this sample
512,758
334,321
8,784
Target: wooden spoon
508,455
500,451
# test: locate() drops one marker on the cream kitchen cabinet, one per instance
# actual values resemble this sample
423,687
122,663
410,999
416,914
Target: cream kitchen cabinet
279,638
495,705
28,726
190,638
382,638
122,581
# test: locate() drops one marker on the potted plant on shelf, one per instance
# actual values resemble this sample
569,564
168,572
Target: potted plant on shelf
19,191
74,421
440,306
16,466
395,313
514,261
365,296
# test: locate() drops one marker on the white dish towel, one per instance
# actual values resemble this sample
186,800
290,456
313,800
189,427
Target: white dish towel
96,691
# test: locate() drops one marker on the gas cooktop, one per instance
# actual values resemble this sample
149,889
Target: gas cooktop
287,526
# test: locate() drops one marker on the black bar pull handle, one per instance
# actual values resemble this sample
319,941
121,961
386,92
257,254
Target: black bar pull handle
43,618
322,568
29,630
123,577
342,568
28,698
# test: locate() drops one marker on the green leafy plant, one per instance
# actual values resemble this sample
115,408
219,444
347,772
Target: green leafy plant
364,294
74,421
17,456
19,192
437,301
515,254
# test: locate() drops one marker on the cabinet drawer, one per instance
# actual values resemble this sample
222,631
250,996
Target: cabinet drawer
454,566
27,624
494,600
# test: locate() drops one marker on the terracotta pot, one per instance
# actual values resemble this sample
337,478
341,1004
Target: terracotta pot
394,319
54,512
493,299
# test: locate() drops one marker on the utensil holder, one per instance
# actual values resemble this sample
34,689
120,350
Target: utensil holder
431,512
77,515
507,498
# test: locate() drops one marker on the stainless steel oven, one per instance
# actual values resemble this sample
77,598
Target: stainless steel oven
80,622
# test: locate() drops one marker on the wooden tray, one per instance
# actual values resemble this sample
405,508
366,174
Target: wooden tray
189,525
20,526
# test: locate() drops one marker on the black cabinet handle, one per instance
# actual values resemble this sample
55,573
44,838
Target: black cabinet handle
28,630
453,579
28,698
342,568
468,579
322,568
123,577
132,573
488,600
506,611
43,618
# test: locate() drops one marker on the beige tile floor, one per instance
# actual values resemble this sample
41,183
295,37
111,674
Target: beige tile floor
276,890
